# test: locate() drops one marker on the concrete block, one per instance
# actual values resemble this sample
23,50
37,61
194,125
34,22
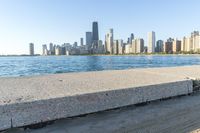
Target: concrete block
31,100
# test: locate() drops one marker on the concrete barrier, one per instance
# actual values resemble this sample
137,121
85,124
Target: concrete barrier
30,100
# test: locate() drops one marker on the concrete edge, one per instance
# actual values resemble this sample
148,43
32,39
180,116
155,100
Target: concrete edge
28,113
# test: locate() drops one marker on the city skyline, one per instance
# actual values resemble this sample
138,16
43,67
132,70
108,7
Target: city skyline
133,45
59,22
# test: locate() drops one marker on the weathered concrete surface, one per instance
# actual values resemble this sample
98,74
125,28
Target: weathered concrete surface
31,100
177,115
192,72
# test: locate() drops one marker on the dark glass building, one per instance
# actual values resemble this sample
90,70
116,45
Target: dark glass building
95,32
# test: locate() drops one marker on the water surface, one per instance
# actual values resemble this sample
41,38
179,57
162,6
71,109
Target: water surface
40,65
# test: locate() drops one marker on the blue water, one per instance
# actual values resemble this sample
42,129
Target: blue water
40,65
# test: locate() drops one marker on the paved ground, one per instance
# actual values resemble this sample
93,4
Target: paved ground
179,115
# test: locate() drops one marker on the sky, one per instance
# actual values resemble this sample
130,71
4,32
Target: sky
66,21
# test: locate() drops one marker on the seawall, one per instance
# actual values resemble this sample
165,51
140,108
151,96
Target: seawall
31,100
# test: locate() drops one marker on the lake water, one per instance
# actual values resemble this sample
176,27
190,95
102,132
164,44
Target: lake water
40,65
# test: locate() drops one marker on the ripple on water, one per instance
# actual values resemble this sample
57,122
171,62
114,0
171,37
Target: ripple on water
25,66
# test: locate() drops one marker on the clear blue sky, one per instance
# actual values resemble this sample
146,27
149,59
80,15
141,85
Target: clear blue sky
59,21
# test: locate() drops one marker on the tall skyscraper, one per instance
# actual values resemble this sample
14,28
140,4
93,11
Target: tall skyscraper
95,32
151,40
81,41
31,49
88,36
95,37
109,42
130,39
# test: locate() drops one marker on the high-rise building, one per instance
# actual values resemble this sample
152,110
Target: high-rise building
88,36
192,43
128,48
58,50
81,41
134,45
176,46
109,42
120,47
44,50
184,44
95,37
168,46
187,44
115,47
75,45
159,46
95,31
151,42
137,46
130,39
51,49
31,49
140,46
195,41
100,49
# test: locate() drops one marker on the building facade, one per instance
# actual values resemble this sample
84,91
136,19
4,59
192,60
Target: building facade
31,49
44,50
151,39
88,36
159,46
176,46
109,38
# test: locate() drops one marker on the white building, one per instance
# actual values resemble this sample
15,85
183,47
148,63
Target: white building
151,40
109,42
139,46
134,43
58,50
44,50
128,48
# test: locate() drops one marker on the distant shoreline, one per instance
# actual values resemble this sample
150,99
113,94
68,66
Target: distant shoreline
102,55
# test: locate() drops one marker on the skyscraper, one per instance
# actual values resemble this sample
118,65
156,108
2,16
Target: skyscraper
95,37
140,45
130,39
168,46
88,36
195,41
31,49
44,50
176,46
95,32
115,47
81,41
120,47
109,42
51,49
151,39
